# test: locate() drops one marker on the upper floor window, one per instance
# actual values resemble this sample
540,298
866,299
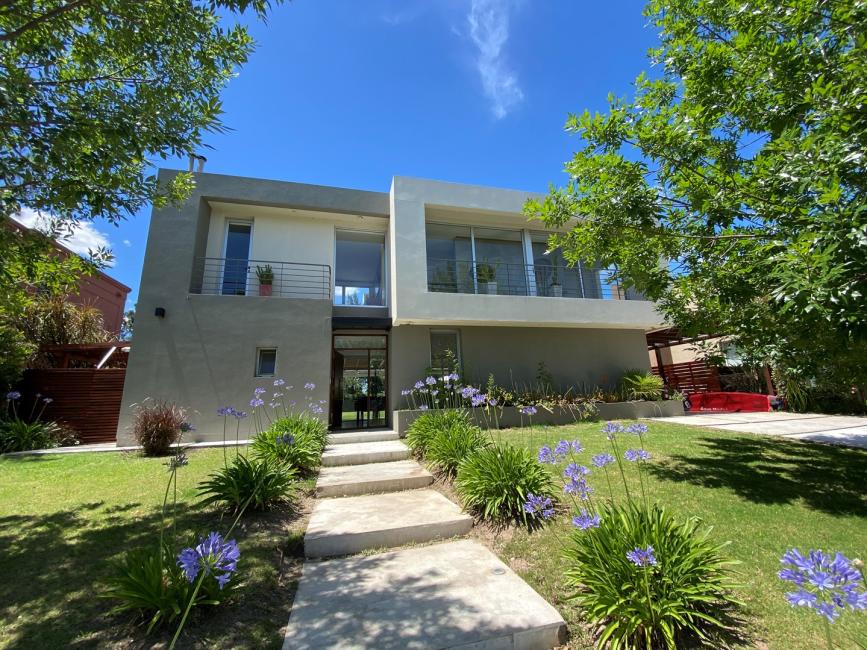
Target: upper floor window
359,269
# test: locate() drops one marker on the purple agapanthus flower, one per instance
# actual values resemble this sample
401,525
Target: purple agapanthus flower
286,439
225,411
239,414
586,521
562,448
454,376
826,584
423,407
309,385
47,400
430,381
418,385
318,410
256,402
479,399
578,486
279,382
637,428
634,455
492,401
13,395
213,555
574,470
529,410
468,391
601,460
577,447
186,427
539,506
547,456
258,391
642,556
405,392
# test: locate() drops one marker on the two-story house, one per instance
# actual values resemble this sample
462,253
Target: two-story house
358,293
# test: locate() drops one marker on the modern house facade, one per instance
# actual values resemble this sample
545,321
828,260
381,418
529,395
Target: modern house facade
359,293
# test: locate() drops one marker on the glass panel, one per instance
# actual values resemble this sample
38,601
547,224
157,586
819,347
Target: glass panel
500,254
449,258
359,269
554,276
376,389
237,256
358,390
359,342
444,350
266,364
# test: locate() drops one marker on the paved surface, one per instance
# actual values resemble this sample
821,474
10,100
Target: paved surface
349,480
360,453
110,446
833,429
451,595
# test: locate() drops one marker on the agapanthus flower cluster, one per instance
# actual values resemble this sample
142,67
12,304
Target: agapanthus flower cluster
559,452
228,411
177,461
186,427
213,555
611,429
479,399
258,391
286,439
642,557
13,395
586,521
279,382
256,402
529,410
578,486
309,385
826,584
539,505
636,428
634,455
601,460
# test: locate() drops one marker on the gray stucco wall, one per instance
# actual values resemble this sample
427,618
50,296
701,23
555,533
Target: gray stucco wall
202,354
592,357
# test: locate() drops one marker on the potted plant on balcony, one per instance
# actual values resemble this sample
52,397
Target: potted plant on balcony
556,288
265,274
486,276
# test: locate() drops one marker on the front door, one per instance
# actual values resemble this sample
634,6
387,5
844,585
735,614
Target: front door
359,386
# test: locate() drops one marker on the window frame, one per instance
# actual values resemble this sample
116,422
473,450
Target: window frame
258,363
458,351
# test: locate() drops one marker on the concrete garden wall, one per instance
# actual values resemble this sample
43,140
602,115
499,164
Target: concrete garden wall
510,417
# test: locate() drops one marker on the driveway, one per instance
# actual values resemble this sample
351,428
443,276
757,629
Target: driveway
834,429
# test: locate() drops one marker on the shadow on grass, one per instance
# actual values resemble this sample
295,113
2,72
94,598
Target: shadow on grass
774,471
54,567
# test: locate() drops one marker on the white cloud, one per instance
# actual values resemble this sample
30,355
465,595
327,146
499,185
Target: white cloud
127,243
402,16
84,238
489,30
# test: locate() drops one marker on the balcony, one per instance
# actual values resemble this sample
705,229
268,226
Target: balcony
244,277
507,279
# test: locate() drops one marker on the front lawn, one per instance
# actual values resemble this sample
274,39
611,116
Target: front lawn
764,494
65,518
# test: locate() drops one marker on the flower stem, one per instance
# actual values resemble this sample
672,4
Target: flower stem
828,633
187,610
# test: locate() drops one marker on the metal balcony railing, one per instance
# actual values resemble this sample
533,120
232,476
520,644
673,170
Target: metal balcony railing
505,279
238,277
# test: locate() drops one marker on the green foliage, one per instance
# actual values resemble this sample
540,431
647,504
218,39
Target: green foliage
453,439
308,434
486,272
156,588
683,598
156,426
428,424
640,384
742,162
19,435
259,482
494,483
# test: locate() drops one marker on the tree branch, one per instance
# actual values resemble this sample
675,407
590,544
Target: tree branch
35,22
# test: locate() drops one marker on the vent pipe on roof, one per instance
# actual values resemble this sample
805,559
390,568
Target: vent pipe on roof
201,162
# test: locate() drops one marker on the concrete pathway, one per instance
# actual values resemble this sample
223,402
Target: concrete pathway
446,595
834,429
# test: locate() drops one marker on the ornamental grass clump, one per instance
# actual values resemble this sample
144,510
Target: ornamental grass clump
258,483
640,385
643,578
495,482
452,442
428,424
157,425
296,440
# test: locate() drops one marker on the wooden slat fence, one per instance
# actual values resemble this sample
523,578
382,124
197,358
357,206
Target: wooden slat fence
691,377
86,399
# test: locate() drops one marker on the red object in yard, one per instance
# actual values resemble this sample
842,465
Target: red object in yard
731,402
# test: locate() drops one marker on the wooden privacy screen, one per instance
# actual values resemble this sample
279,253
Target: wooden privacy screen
690,377
86,399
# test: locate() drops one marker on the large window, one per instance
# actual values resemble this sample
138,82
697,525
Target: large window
359,269
445,350
553,276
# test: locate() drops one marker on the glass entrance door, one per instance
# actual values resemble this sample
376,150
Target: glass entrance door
359,381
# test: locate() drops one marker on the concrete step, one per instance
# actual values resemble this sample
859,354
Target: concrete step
352,480
361,453
452,595
355,524
361,436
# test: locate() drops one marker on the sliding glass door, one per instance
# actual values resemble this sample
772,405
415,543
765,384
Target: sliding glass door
359,385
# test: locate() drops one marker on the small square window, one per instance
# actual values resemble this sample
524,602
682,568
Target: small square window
266,362
445,350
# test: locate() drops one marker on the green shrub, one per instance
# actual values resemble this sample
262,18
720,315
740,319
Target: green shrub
19,435
456,439
494,483
260,482
156,426
424,427
678,601
156,588
640,384
297,440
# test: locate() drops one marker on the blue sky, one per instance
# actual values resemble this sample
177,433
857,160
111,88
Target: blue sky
349,93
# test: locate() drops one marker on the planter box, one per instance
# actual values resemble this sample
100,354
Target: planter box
510,417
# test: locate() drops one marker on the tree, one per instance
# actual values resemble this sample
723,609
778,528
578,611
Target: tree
743,163
91,93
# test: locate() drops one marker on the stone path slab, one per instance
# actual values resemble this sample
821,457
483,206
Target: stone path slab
361,453
361,436
355,524
835,429
452,595
353,480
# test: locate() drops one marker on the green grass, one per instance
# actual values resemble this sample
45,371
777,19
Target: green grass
64,518
763,494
